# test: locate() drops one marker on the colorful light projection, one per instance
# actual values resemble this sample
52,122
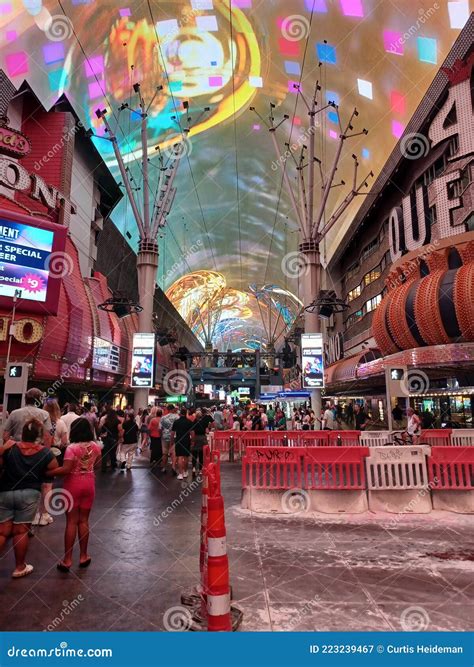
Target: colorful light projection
227,55
236,316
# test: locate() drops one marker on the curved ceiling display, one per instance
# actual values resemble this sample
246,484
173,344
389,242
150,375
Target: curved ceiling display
201,65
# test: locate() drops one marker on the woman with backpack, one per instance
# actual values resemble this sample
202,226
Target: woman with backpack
24,465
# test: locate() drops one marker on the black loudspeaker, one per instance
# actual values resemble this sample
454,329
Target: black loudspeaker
121,310
325,311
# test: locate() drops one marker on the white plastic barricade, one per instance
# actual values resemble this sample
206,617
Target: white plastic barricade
374,438
462,437
397,479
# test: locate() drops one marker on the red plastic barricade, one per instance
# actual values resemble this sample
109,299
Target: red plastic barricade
221,440
272,468
335,468
313,438
436,437
344,438
451,468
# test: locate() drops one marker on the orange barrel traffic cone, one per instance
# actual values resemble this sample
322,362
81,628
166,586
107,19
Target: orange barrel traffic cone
218,585
206,457
203,547
204,497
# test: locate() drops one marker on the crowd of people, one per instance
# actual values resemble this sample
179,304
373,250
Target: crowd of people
39,445
42,442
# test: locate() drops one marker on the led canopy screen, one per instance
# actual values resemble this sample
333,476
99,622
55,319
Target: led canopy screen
201,66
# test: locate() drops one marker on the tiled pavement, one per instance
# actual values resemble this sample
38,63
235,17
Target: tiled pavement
297,572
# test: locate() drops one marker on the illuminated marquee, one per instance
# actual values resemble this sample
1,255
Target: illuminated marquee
410,226
13,142
25,330
16,178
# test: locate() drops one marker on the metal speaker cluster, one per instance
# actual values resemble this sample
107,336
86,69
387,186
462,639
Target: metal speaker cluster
121,305
327,304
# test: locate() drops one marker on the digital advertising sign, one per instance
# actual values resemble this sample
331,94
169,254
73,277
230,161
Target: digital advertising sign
27,254
105,355
143,360
312,361
24,257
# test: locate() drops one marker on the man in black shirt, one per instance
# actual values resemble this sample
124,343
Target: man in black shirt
360,418
200,428
397,416
181,437
256,420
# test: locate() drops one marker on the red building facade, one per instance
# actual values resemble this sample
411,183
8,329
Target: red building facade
73,346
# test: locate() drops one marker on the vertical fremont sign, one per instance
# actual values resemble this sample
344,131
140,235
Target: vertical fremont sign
412,224
16,178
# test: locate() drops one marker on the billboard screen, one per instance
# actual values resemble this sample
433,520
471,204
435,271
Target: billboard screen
105,355
143,360
24,260
33,261
312,361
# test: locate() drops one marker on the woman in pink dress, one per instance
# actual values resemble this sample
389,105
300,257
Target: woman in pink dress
80,459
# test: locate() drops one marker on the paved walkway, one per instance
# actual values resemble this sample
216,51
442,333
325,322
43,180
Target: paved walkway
301,572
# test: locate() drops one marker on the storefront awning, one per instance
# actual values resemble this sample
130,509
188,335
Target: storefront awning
346,369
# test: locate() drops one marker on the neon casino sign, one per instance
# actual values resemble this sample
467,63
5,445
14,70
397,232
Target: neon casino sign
13,142
409,224
14,177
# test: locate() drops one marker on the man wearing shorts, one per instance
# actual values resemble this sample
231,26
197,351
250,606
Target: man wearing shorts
166,442
181,436
200,428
